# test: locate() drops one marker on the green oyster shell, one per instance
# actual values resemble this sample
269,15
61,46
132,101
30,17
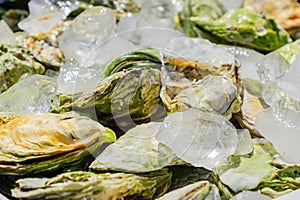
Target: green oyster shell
202,190
89,185
14,62
136,151
244,27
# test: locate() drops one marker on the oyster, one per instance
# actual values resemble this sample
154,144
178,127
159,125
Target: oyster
147,85
243,27
36,143
256,172
89,185
205,10
217,89
124,99
145,57
14,62
286,13
136,151
46,53
202,190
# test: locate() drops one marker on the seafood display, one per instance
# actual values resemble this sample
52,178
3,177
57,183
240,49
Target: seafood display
136,99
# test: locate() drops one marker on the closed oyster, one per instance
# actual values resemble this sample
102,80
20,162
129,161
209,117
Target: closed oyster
205,10
242,27
286,13
257,171
14,62
124,99
137,151
89,185
36,143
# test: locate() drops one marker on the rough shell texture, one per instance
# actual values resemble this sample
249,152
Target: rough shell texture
40,142
14,62
89,185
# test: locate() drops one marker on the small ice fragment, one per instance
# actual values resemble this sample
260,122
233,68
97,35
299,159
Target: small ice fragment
271,67
43,16
6,34
159,13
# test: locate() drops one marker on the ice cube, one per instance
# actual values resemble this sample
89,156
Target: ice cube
43,16
199,138
75,79
284,92
290,81
6,34
199,50
159,13
232,4
244,142
282,128
32,94
106,51
290,196
272,66
247,58
86,31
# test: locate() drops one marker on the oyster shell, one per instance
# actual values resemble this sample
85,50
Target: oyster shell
257,171
286,13
202,190
148,84
89,185
124,99
242,27
46,53
216,90
205,10
36,143
137,151
14,62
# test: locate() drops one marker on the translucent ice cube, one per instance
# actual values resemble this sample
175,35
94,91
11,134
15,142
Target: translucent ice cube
32,94
201,139
282,128
43,16
87,30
